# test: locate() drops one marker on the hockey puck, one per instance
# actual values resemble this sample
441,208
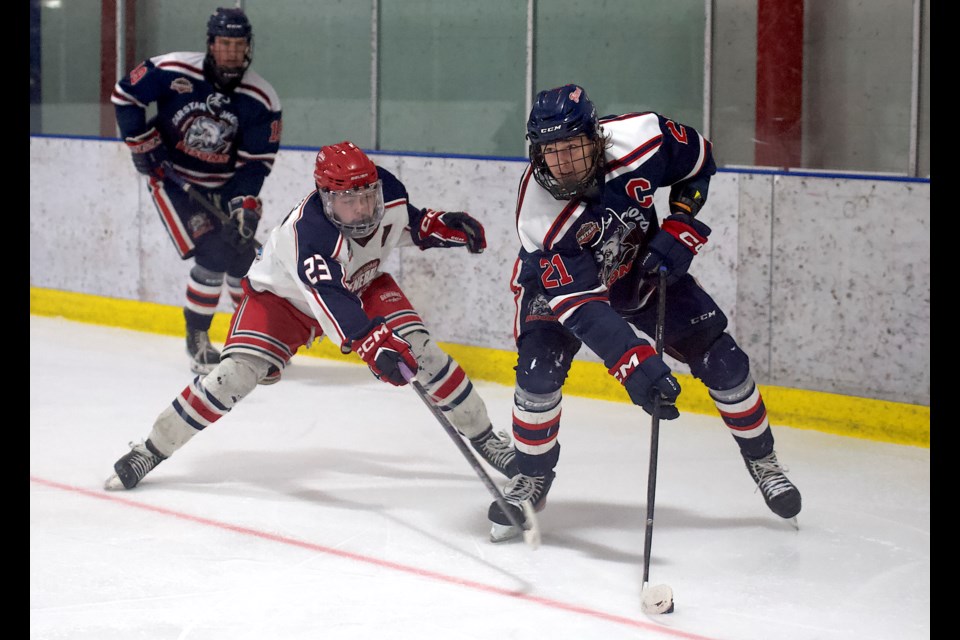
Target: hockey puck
657,600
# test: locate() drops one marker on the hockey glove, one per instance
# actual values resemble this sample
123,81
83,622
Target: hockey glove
680,238
383,351
645,375
245,213
451,229
148,152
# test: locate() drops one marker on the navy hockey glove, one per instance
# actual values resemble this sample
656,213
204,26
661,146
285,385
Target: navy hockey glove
644,374
680,238
451,229
383,351
148,152
245,213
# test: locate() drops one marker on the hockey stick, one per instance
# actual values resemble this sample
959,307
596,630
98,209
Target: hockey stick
658,599
171,175
531,533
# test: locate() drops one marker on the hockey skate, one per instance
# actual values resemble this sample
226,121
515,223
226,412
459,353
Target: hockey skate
521,488
778,492
203,357
132,467
497,449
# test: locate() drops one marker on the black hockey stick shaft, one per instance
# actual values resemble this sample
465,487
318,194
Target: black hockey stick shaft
654,426
170,174
464,449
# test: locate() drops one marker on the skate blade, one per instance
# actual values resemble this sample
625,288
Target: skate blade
113,483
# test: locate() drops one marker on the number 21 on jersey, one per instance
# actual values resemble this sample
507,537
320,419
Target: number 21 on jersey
554,272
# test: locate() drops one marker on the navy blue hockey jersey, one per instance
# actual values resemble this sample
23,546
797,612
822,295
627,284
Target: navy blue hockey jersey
583,254
225,141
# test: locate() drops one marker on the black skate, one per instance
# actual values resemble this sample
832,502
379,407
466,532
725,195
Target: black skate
521,488
497,449
203,357
778,492
130,469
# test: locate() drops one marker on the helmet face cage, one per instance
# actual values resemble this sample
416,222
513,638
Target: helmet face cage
351,192
557,115
355,212
588,156
229,23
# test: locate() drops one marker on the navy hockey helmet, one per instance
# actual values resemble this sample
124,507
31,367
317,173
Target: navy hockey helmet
227,23
560,114
350,189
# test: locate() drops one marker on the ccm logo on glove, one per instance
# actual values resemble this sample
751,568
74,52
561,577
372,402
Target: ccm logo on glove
383,351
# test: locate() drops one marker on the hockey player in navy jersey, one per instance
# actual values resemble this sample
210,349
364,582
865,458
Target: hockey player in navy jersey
591,243
320,275
218,125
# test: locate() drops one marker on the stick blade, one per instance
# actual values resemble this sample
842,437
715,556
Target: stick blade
657,600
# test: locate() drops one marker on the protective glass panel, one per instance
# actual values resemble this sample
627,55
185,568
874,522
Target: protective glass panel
452,76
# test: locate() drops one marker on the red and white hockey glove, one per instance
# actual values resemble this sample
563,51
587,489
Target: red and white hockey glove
383,351
451,229
148,152
644,374
680,238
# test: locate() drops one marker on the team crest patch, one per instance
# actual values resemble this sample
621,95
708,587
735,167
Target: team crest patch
137,74
182,85
539,309
587,232
363,276
198,225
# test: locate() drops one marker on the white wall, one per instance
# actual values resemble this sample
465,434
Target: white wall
826,281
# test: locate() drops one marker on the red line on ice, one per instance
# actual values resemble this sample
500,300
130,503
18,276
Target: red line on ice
479,586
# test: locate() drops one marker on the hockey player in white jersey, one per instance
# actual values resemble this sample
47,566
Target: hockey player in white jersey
320,275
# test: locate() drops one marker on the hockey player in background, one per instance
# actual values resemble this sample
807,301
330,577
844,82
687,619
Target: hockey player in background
591,245
320,275
218,124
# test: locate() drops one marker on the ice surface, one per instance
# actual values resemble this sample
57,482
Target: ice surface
333,506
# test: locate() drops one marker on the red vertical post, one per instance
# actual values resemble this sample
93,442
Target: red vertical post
778,141
108,65
108,57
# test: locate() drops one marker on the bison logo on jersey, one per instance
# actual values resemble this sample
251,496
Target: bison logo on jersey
539,309
198,225
216,102
207,139
617,253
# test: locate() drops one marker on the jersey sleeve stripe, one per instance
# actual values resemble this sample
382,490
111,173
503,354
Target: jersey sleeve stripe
701,159
647,147
181,67
123,99
563,222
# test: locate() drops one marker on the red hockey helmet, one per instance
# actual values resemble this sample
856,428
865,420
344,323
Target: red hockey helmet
350,190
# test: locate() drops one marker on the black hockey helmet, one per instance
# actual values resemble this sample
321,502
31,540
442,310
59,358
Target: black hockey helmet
227,23
558,114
